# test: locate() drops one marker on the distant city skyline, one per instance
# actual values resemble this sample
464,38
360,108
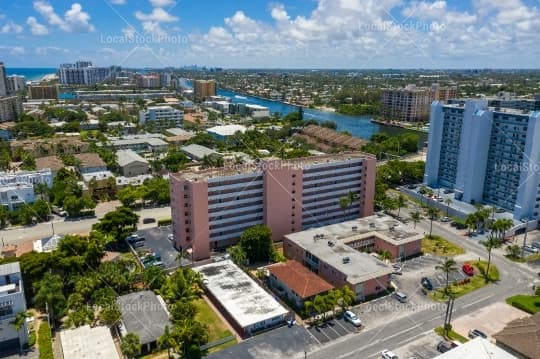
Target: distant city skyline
354,34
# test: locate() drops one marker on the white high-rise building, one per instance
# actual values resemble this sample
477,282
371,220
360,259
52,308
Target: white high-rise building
12,302
3,84
486,155
15,83
162,116
82,73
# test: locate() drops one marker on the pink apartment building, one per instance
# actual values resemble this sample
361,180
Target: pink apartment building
212,207
339,252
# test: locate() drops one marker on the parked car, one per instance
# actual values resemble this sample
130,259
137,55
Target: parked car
445,346
387,354
148,220
170,237
446,219
448,190
473,333
135,238
536,244
426,283
397,269
402,297
137,244
439,199
352,318
530,248
468,269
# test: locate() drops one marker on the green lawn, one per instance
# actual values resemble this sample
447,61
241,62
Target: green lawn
218,329
515,259
475,282
451,335
527,303
439,246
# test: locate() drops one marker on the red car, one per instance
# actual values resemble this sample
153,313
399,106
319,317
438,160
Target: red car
468,269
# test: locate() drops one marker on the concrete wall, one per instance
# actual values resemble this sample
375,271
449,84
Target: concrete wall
436,123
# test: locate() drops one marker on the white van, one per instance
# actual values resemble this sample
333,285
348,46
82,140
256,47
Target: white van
400,296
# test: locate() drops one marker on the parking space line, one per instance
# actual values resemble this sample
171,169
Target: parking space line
320,331
317,339
343,326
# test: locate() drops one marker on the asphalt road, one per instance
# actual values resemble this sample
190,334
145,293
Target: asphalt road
515,278
18,235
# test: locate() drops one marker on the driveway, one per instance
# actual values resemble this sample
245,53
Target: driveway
490,320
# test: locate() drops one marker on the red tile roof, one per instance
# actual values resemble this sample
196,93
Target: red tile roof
298,278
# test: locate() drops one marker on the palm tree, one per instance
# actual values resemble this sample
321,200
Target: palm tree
432,213
490,243
131,345
319,304
331,301
448,266
309,308
401,202
347,297
513,251
49,294
416,217
385,255
470,222
448,202
167,341
19,321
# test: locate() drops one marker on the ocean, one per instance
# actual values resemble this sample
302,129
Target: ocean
31,73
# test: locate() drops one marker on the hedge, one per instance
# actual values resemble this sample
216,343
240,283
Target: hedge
45,341
164,222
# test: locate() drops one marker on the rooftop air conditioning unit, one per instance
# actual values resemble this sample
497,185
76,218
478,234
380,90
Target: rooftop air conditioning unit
346,260
355,228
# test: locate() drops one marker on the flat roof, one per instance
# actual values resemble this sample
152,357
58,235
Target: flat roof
241,297
478,348
10,268
298,278
89,343
144,314
330,244
227,130
302,162
198,151
179,132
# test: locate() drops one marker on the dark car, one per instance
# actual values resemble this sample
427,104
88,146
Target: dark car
445,346
148,220
426,283
473,333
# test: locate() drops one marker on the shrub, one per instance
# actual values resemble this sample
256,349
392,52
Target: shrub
164,222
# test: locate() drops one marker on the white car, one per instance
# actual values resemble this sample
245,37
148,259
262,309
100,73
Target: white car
170,237
387,354
352,318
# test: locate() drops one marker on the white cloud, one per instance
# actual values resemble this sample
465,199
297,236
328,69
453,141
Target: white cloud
50,50
118,2
35,27
364,34
11,27
162,3
12,50
75,19
157,15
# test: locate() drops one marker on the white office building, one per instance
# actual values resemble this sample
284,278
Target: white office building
162,116
29,177
486,155
11,302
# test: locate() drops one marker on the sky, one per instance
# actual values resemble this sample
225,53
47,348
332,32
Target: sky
359,34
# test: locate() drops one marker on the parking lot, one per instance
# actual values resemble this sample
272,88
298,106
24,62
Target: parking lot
422,348
332,330
424,266
157,242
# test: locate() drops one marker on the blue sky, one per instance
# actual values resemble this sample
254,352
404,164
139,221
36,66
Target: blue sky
272,34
